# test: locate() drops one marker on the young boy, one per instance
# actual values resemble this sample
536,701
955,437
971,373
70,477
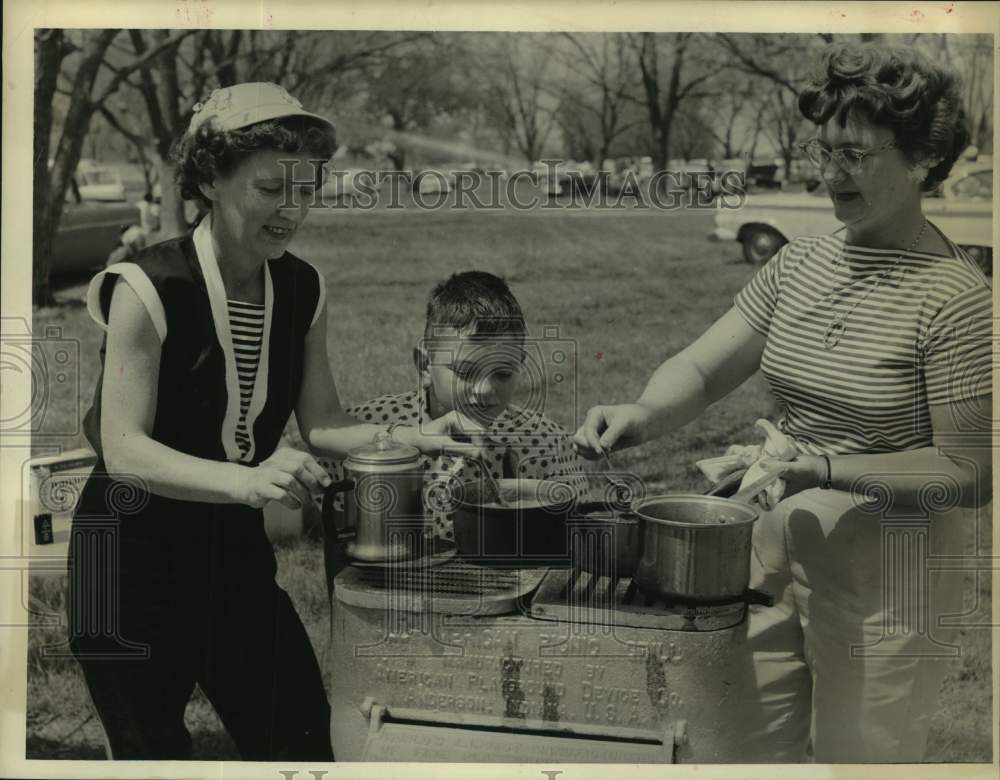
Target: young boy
468,362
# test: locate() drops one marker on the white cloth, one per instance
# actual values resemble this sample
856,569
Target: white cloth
851,655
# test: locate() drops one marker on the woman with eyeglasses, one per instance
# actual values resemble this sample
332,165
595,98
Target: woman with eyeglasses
876,344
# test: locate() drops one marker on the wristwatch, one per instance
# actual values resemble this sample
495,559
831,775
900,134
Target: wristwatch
827,482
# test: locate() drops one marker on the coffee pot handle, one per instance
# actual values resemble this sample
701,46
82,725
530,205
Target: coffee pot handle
328,495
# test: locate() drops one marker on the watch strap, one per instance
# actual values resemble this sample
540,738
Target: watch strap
827,481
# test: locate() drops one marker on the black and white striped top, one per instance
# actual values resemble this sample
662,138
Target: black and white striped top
922,337
246,322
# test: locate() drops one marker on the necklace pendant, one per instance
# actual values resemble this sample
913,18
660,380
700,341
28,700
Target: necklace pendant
835,330
831,337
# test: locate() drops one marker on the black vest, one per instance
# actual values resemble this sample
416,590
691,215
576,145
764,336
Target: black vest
192,396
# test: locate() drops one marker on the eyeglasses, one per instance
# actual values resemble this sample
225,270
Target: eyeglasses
848,159
470,371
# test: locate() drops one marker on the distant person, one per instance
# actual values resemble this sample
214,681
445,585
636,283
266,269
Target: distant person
213,340
149,215
877,345
131,241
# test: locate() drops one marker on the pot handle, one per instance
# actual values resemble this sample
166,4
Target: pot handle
329,494
756,596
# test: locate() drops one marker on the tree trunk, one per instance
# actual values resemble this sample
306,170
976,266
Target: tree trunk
67,155
162,132
661,147
666,130
224,54
173,221
529,146
169,91
48,56
398,157
161,96
603,154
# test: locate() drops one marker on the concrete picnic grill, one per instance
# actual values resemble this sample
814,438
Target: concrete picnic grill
438,658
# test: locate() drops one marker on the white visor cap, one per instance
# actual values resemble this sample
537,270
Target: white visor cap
230,108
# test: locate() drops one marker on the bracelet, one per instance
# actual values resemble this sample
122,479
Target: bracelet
827,483
394,426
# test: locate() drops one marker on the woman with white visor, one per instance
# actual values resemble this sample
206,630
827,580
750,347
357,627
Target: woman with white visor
213,340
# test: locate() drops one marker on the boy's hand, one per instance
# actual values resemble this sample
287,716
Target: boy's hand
453,433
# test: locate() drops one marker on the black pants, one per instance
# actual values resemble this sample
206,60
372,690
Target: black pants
230,629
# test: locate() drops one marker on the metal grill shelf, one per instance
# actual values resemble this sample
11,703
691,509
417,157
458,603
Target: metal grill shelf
579,597
456,587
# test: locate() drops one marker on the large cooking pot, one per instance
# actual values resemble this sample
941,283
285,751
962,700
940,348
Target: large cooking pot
532,525
694,547
383,505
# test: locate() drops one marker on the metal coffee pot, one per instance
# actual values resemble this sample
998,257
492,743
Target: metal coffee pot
383,504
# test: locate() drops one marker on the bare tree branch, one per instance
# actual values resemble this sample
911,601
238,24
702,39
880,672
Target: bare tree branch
142,61
111,119
147,88
750,65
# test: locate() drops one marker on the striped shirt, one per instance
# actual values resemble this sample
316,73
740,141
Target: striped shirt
920,337
246,322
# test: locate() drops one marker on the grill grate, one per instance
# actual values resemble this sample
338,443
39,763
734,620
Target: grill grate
454,587
580,597
454,577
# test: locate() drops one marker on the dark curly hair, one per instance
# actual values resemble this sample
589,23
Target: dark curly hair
894,87
477,300
211,151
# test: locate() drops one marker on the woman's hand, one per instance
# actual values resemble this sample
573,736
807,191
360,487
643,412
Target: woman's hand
802,473
611,427
289,476
719,361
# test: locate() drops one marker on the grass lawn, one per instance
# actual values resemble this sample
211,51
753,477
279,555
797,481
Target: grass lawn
618,293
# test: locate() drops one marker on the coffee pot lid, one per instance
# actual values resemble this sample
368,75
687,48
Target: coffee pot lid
384,450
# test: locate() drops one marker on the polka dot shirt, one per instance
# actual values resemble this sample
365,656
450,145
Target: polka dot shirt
520,444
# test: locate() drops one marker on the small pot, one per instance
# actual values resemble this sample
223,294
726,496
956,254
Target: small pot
695,548
530,529
383,501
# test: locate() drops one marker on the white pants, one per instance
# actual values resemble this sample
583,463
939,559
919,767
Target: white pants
850,656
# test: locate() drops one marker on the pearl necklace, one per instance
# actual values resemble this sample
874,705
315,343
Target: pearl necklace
838,325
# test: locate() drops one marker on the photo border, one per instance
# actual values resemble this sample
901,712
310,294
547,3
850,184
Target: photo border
21,16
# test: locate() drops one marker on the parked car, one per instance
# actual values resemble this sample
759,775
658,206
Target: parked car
431,181
962,207
100,183
763,174
88,232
